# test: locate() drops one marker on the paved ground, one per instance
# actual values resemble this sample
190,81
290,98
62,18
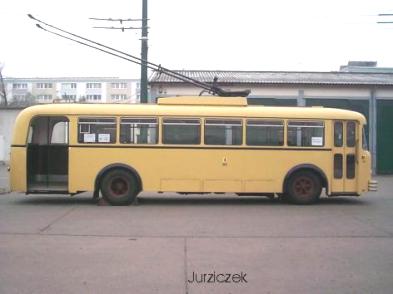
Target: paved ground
58,244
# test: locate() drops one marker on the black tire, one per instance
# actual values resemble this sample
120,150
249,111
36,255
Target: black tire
304,187
119,187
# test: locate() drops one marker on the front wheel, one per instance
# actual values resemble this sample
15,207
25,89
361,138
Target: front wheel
304,187
119,187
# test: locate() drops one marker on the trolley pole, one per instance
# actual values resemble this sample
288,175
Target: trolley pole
144,92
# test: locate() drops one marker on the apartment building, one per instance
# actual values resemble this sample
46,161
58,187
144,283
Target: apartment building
26,91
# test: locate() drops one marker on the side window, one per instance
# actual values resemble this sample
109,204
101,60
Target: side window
181,131
338,134
60,133
223,132
265,133
139,130
351,166
306,133
351,134
338,166
97,130
364,138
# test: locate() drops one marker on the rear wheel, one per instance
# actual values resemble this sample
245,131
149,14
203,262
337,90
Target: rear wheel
119,187
304,187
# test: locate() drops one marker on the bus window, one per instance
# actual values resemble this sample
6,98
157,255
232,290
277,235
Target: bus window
181,131
351,134
60,133
350,166
364,139
265,133
306,133
139,130
338,134
97,130
338,166
223,132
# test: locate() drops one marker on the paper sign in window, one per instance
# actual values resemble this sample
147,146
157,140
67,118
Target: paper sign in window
104,138
89,138
316,141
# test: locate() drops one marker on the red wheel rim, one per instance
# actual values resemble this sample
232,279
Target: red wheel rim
118,186
304,187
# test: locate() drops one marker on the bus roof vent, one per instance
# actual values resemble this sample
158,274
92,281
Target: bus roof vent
203,100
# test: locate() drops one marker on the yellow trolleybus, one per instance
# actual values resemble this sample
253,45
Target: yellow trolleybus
190,145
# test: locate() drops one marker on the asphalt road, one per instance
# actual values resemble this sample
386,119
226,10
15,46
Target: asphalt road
189,244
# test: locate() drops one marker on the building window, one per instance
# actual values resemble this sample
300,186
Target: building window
119,97
19,86
223,132
139,130
181,131
44,97
68,85
68,97
306,133
97,130
265,133
95,97
93,85
44,85
19,97
119,85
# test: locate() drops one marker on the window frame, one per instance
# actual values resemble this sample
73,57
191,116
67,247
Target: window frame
350,141
88,131
267,120
197,121
157,128
225,122
305,122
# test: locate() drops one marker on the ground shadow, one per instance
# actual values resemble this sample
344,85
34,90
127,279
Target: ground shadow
173,199
55,200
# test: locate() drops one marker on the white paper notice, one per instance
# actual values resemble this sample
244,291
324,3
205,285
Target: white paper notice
316,141
89,138
104,138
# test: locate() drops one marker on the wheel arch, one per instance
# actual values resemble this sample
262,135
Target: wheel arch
113,166
307,167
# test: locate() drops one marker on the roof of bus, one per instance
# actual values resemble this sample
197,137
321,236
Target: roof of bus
237,109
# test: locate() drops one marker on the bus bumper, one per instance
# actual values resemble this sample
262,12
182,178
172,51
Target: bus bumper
372,185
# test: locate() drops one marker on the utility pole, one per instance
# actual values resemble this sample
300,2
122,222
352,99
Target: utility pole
144,64
144,92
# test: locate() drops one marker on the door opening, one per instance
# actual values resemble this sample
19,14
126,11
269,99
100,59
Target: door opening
47,154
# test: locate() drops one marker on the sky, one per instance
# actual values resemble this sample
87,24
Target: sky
260,35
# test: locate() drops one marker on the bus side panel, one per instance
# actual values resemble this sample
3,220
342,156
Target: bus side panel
195,170
265,170
365,173
18,180
86,162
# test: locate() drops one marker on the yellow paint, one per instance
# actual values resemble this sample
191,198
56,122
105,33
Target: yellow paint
18,169
190,168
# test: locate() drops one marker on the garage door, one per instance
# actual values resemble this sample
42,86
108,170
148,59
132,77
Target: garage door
385,137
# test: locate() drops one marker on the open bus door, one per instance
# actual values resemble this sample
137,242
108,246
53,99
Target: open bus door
47,155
